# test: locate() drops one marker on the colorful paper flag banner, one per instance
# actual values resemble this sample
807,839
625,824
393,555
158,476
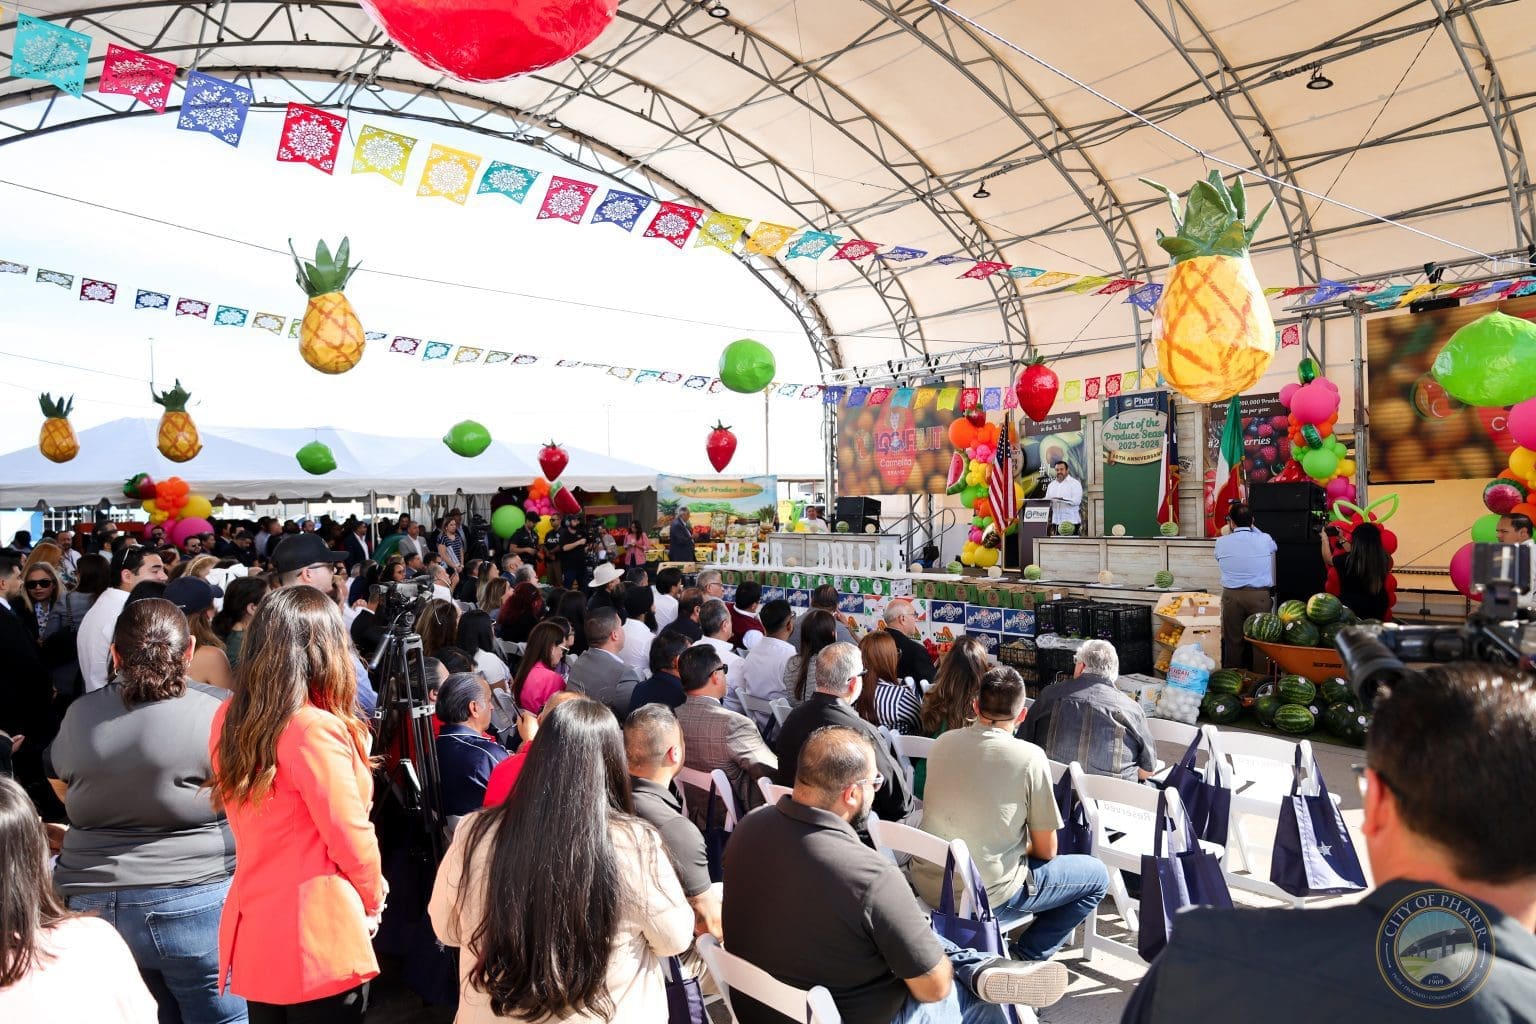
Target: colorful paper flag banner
1072,391
983,270
493,357
1146,297
50,53
467,354
857,397
811,245
55,277
126,72
1024,272
720,231
92,290
949,260
1112,385
374,335
1130,380
1091,388
1289,336
566,199
192,307
1118,285
310,136
510,180
436,350
10,267
901,254
621,208
674,222
151,300
404,345
947,398
230,316
1084,285
992,399
382,152
833,395
293,327
925,397
902,399
769,239
856,249
449,173
1051,278
214,106
269,322
969,397
879,396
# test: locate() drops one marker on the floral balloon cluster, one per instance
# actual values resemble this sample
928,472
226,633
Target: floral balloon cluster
544,501
1347,516
171,501
1316,453
978,440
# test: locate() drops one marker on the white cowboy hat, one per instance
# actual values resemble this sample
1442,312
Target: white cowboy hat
605,574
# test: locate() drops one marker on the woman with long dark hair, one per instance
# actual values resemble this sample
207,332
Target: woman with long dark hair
948,703
232,621
536,678
54,965
884,699
147,845
438,625
818,631
1363,568
475,640
520,612
291,768
589,947
573,609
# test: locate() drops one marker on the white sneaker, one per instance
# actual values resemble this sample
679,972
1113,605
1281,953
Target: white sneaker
1021,982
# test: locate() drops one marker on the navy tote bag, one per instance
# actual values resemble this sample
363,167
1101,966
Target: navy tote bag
1185,875
1313,854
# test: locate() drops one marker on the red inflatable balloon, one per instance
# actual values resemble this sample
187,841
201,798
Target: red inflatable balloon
488,40
1461,572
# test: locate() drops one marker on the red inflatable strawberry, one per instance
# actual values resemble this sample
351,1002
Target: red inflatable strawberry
488,40
553,460
976,416
1036,389
721,447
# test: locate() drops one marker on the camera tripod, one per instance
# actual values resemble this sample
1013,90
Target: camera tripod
405,735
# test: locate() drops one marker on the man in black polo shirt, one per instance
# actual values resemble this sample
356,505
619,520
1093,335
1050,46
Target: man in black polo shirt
912,661
812,905
665,686
653,743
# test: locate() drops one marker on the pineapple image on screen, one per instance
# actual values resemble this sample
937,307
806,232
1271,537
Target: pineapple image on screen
57,440
178,434
1214,334
330,338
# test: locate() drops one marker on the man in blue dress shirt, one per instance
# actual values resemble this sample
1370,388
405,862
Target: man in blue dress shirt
1246,556
465,755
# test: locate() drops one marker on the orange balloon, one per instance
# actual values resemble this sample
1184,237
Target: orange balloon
962,434
988,434
1325,429
1524,508
983,507
1510,474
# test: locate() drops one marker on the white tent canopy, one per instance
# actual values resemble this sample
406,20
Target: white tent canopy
259,465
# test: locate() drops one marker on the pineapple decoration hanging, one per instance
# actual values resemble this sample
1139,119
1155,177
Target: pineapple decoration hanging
178,434
1214,334
57,440
330,339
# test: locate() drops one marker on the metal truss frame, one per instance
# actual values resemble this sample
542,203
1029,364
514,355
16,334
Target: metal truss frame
971,359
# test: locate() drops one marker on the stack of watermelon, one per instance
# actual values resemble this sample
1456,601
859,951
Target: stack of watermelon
1312,623
1221,704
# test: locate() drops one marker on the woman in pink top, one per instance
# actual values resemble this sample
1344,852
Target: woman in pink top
536,677
54,965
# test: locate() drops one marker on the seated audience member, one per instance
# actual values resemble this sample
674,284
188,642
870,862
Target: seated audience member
209,663
994,791
715,623
818,631
668,583
504,775
240,601
606,586
812,905
762,671
438,625
687,621
912,660
664,686
653,746
572,607
1465,849
824,598
492,594
839,677
55,965
950,701
746,627
600,673
888,698
147,844
1088,721
536,678
717,737
589,947
639,629
520,612
475,640
465,756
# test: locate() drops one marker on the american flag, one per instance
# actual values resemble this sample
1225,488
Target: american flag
1000,480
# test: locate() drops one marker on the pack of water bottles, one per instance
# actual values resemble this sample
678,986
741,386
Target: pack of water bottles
1189,673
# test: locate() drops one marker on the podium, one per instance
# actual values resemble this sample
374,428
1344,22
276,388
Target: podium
1034,524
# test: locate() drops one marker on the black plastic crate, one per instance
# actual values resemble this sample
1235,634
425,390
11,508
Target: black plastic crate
1064,618
1135,658
1051,662
1121,623
1019,654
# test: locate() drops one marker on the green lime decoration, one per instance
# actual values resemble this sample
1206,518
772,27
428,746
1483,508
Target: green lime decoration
467,438
747,366
1489,362
507,520
316,458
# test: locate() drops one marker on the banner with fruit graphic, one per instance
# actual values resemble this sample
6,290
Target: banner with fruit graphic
1057,438
1135,443
749,496
888,449
1266,446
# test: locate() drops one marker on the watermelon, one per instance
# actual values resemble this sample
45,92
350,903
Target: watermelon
1502,495
1328,636
1294,719
1227,681
1163,579
1221,708
1250,622
954,483
1295,690
1169,529
1264,710
1356,726
1292,611
1066,529
1348,617
1268,628
1336,690
1324,608
1033,572
1301,633
1338,716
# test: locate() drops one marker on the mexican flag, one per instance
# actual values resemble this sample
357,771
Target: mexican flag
1229,484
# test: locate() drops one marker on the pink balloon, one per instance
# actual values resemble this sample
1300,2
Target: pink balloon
1330,385
1522,423
1286,393
1314,403
1340,489
975,535
181,529
1461,571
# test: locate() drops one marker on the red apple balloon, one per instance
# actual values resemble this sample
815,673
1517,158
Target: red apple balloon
721,447
488,40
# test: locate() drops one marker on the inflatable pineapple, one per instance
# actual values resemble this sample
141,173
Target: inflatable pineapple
178,434
330,339
1214,334
57,439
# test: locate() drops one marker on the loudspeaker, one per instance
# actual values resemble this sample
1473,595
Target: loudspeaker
1299,570
1290,513
857,513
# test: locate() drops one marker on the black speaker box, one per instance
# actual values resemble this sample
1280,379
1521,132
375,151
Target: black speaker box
1299,570
1290,513
857,513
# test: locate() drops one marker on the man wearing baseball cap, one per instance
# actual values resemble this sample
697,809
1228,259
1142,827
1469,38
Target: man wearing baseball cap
303,560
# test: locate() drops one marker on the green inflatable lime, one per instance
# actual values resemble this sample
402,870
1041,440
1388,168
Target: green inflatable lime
1489,362
507,520
316,458
747,366
467,438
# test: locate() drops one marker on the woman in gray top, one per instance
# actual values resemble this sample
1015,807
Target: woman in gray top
148,852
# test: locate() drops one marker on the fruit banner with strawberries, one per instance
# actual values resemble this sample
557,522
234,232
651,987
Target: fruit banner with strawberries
1266,444
890,449
748,497
1135,442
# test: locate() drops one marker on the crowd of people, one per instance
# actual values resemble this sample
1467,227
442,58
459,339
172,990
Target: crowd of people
199,755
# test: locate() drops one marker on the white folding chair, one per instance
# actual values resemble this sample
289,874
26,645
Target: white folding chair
714,782
759,710
1174,733
771,792
781,709
504,711
910,747
733,974
510,652
1057,770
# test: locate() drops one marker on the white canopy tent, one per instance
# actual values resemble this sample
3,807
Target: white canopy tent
258,464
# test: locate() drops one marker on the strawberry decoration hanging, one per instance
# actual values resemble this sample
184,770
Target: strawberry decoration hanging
721,447
976,416
1036,389
553,460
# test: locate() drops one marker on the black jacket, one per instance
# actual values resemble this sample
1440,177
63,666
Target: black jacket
893,800
912,660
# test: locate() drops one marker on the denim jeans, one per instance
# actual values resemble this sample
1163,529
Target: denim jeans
961,1006
1066,889
174,936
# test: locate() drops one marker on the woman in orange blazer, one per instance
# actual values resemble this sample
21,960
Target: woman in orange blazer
291,767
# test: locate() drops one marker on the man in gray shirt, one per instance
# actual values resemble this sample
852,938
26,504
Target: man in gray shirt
1088,721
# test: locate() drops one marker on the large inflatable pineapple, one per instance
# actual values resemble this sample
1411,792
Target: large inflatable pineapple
331,338
179,440
1214,334
57,440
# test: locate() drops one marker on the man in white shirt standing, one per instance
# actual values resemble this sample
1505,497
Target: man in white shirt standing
762,671
715,624
665,606
1516,529
1065,494
130,567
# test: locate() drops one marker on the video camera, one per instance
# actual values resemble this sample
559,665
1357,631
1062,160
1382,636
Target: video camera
401,600
1494,633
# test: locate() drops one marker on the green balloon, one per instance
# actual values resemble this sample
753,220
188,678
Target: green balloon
467,438
610,522
1319,463
747,366
1307,370
972,494
1485,530
1491,361
507,520
316,458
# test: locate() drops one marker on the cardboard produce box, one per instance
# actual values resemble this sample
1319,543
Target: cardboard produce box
1184,619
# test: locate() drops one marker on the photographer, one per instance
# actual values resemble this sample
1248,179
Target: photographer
1363,567
567,546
